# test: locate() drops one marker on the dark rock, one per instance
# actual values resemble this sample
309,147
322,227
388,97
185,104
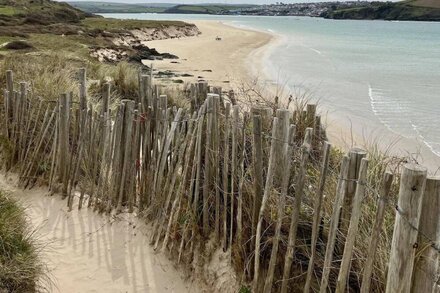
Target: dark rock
142,52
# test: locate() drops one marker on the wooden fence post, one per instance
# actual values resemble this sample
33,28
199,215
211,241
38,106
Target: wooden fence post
382,201
226,174
287,163
267,191
426,263
404,243
257,153
311,113
294,221
216,164
207,179
234,167
353,227
356,155
63,129
334,221
317,214
126,147
283,116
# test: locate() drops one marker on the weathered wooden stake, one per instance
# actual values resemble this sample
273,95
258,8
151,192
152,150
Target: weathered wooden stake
288,152
300,183
340,193
353,228
225,178
382,201
425,274
257,153
267,190
317,214
404,243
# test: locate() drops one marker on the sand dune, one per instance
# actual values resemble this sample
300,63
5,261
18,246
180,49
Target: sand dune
88,252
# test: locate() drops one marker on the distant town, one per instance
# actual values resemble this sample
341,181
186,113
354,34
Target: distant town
421,10
295,9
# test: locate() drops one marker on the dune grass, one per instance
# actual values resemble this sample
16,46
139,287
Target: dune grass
20,266
52,75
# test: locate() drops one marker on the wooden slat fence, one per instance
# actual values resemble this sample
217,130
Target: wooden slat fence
243,176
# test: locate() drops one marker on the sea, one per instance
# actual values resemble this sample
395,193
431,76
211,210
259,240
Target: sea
379,79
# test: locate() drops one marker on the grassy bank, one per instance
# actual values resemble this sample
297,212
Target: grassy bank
20,266
47,27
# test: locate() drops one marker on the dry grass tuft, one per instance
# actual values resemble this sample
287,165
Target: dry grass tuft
21,270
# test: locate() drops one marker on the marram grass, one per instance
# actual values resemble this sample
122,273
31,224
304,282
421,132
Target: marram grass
21,269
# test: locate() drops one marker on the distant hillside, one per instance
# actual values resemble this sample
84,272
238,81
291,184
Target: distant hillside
420,10
106,7
17,12
427,3
205,8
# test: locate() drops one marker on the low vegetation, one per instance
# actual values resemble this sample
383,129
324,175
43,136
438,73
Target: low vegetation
21,269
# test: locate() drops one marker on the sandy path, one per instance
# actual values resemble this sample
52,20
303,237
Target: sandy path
228,59
87,252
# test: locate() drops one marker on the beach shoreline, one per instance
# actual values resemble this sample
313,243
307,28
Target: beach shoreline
223,63
248,50
240,58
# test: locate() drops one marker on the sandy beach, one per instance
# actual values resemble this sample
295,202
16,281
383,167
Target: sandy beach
238,59
224,62
229,63
88,252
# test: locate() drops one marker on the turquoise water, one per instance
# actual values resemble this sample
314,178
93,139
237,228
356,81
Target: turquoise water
382,77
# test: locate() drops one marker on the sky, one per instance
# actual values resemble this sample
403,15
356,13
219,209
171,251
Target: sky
207,1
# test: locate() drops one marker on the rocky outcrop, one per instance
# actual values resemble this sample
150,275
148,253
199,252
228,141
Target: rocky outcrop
135,54
131,45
